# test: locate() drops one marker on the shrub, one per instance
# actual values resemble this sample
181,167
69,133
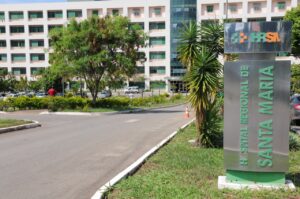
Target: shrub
294,144
212,135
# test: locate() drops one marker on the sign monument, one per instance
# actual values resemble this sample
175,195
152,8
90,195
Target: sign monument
256,118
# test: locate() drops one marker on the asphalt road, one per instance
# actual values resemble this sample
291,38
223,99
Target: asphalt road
70,157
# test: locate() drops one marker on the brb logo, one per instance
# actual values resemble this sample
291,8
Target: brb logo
255,37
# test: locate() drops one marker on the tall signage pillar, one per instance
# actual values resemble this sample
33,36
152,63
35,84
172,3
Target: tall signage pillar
256,117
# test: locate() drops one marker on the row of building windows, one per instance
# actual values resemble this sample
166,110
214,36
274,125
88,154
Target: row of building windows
257,6
153,84
153,70
40,28
21,43
154,41
22,57
22,70
58,14
41,57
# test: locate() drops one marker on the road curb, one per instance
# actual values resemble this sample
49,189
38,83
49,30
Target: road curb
134,166
20,127
69,113
137,110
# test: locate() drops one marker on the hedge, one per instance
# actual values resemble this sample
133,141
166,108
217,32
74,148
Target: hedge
60,103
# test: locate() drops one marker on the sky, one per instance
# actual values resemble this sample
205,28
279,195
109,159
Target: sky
29,1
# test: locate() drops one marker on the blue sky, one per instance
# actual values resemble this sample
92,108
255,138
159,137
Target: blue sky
28,1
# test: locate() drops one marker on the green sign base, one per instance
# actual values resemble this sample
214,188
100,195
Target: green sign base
248,177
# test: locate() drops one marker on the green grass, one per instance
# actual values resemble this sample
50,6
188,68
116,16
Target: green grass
180,170
10,122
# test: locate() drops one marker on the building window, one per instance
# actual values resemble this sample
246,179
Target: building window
17,43
36,71
257,6
115,12
16,15
141,24
157,11
209,8
281,5
157,84
2,29
3,57
232,7
35,29
161,70
256,19
157,41
18,57
2,16
51,27
2,43
157,55
55,14
37,57
35,15
95,13
157,25
74,13
19,71
17,29
136,12
36,43
140,70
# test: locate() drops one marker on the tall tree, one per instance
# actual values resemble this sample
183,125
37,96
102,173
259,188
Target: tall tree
189,44
202,81
294,16
97,49
198,51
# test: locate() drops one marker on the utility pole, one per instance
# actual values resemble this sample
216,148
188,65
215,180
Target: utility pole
226,10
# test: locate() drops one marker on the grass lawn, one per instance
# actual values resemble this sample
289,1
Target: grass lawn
9,122
180,170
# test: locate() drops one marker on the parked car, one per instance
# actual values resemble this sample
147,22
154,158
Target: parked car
105,94
40,95
131,90
295,108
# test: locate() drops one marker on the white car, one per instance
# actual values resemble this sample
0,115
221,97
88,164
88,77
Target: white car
131,90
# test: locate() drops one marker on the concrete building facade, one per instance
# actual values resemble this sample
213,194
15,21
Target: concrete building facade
24,29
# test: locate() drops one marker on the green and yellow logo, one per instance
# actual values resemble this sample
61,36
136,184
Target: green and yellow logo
255,37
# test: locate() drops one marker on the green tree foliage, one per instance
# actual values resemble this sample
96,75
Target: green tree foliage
295,78
294,16
22,84
97,49
7,81
203,81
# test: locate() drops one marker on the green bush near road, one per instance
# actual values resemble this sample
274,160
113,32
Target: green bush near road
83,104
180,170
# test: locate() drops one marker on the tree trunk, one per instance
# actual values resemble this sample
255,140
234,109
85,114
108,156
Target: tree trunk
198,121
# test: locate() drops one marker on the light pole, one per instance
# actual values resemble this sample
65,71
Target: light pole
226,10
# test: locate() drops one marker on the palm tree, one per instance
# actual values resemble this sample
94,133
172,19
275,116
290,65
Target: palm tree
189,44
212,36
200,45
202,81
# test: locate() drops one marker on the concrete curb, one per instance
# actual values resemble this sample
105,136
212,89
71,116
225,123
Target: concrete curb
20,127
134,166
69,113
137,110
